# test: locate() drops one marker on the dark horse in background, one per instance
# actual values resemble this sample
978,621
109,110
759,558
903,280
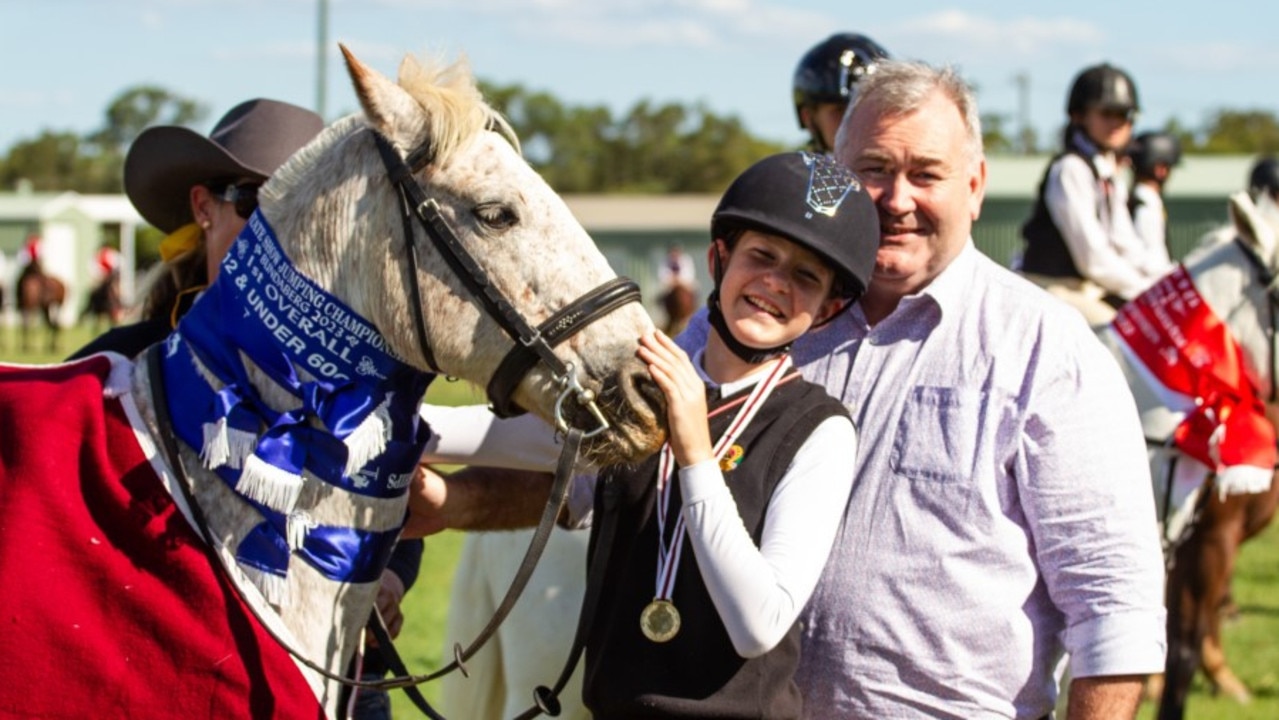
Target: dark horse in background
104,304
39,293
1236,277
678,303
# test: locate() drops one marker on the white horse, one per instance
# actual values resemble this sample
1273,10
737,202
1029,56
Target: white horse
97,519
1209,516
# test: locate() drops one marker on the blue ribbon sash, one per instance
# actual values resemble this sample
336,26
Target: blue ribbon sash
355,425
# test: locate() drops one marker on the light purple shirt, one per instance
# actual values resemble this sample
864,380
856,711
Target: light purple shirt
1001,511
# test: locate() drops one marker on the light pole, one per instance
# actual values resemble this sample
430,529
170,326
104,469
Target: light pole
1022,81
321,57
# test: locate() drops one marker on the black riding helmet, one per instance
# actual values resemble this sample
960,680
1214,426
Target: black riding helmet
811,200
1153,148
1264,177
1104,86
830,69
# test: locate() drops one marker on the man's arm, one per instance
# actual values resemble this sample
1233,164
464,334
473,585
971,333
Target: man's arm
475,498
1113,697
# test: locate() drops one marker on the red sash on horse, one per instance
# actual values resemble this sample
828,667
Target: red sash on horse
111,606
1179,343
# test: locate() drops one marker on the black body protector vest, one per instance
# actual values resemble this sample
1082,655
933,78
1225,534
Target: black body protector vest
1046,252
696,674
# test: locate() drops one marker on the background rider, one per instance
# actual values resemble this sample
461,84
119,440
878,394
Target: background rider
1080,241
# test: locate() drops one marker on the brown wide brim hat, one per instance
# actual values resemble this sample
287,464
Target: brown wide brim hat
249,143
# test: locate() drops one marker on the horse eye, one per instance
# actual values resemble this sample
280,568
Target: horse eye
495,215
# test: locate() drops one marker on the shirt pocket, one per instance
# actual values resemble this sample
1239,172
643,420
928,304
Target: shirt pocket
937,434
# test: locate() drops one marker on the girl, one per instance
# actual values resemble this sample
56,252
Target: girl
714,545
1080,241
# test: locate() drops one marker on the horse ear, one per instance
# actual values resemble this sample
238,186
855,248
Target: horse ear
1256,225
389,109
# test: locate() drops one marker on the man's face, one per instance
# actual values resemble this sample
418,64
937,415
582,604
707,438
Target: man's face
926,184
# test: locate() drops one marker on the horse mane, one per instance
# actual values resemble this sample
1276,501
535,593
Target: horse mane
455,112
456,108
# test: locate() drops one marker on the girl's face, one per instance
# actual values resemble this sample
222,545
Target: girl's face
1109,128
773,290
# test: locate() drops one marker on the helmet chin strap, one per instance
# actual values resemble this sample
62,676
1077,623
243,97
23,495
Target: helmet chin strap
815,142
735,346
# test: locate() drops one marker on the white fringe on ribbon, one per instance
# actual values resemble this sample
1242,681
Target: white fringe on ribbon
277,489
274,588
368,440
216,450
1243,480
299,524
224,445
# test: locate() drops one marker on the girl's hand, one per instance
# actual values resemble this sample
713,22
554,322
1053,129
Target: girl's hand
690,435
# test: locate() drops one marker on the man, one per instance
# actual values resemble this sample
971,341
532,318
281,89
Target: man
825,80
1001,512
1002,509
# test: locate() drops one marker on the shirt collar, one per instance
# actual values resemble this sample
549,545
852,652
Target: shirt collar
730,388
948,290
1104,162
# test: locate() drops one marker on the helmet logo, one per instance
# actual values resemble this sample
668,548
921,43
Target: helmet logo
828,184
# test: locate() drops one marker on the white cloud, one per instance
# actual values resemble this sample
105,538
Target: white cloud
152,20
1215,58
987,38
643,23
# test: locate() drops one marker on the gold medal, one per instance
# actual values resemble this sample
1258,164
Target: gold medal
660,621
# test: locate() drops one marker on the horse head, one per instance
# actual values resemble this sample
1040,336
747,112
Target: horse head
340,218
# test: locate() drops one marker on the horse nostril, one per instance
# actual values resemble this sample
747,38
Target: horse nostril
643,388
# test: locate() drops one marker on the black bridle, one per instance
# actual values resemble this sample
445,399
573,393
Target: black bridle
531,344
1266,279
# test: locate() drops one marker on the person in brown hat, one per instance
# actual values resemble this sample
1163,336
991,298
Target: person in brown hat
200,191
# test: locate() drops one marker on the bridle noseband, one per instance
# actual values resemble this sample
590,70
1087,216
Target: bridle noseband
531,344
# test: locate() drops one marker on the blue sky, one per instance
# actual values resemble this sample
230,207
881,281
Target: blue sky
66,59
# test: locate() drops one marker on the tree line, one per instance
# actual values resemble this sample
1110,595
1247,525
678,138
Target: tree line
650,148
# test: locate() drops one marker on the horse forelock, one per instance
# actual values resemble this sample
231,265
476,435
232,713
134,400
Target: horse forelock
455,109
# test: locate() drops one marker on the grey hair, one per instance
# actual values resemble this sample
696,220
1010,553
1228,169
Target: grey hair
899,87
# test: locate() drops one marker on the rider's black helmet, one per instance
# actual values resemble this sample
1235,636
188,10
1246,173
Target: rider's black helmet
1153,148
1264,177
811,200
830,69
1104,86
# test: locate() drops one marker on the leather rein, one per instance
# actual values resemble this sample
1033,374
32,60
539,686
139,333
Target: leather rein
532,345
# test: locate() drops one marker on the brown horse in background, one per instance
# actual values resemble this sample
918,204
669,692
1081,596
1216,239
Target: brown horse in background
39,293
679,303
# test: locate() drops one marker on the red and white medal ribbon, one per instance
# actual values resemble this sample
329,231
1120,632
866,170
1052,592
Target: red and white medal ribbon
668,555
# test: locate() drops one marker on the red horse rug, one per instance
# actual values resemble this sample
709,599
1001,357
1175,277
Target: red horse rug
112,606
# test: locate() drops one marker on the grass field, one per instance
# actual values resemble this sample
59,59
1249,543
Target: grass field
1252,642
